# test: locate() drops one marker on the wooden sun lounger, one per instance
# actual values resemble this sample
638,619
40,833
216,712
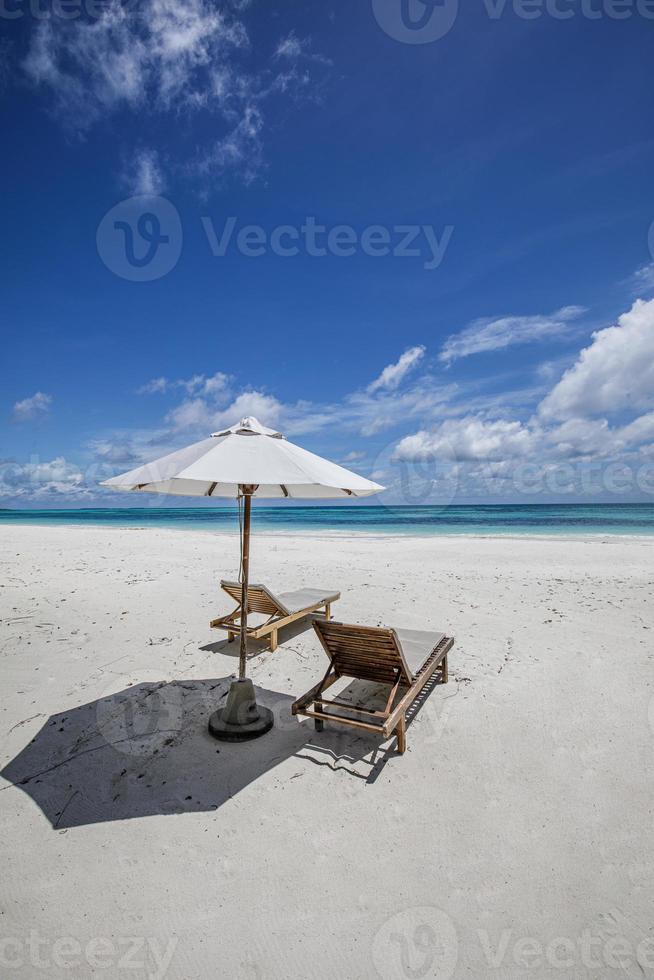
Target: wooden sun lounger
280,609
404,660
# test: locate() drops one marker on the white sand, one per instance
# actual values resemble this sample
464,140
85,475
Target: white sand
514,838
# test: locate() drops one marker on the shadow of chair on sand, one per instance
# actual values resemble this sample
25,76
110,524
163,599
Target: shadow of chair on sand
146,750
261,648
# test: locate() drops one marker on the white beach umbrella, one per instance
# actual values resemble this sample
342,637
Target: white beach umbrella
247,460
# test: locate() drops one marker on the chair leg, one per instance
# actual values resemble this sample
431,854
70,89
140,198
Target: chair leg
230,636
318,724
273,640
445,676
400,731
328,611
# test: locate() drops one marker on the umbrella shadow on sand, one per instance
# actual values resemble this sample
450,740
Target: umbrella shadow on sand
146,750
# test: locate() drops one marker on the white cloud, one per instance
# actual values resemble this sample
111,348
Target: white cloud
36,480
551,370
463,440
240,150
360,412
264,407
214,385
194,413
570,446
472,439
200,384
155,387
205,394
392,375
614,373
145,175
157,54
639,431
596,438
29,409
642,281
201,413
368,414
583,437
364,412
291,46
467,439
490,334
162,57
114,452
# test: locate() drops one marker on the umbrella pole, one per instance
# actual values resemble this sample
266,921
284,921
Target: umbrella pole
242,718
245,565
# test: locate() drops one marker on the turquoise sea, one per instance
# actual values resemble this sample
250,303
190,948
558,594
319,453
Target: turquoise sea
472,519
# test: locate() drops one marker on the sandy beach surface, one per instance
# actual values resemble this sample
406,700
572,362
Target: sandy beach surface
514,838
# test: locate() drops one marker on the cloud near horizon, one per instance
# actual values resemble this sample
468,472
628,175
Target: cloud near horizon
459,435
42,481
600,410
613,376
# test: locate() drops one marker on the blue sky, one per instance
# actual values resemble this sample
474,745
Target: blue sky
508,356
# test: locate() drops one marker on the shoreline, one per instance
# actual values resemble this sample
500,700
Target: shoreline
589,536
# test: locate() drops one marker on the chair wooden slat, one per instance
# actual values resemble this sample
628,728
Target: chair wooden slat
371,654
261,600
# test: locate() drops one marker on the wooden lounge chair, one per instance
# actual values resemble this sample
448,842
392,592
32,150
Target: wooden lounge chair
280,609
404,660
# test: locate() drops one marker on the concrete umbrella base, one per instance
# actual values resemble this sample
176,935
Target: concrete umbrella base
241,718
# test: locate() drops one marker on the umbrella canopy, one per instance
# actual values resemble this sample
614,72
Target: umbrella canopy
247,454
247,460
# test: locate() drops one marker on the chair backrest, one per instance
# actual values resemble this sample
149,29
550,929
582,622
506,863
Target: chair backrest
260,600
367,652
